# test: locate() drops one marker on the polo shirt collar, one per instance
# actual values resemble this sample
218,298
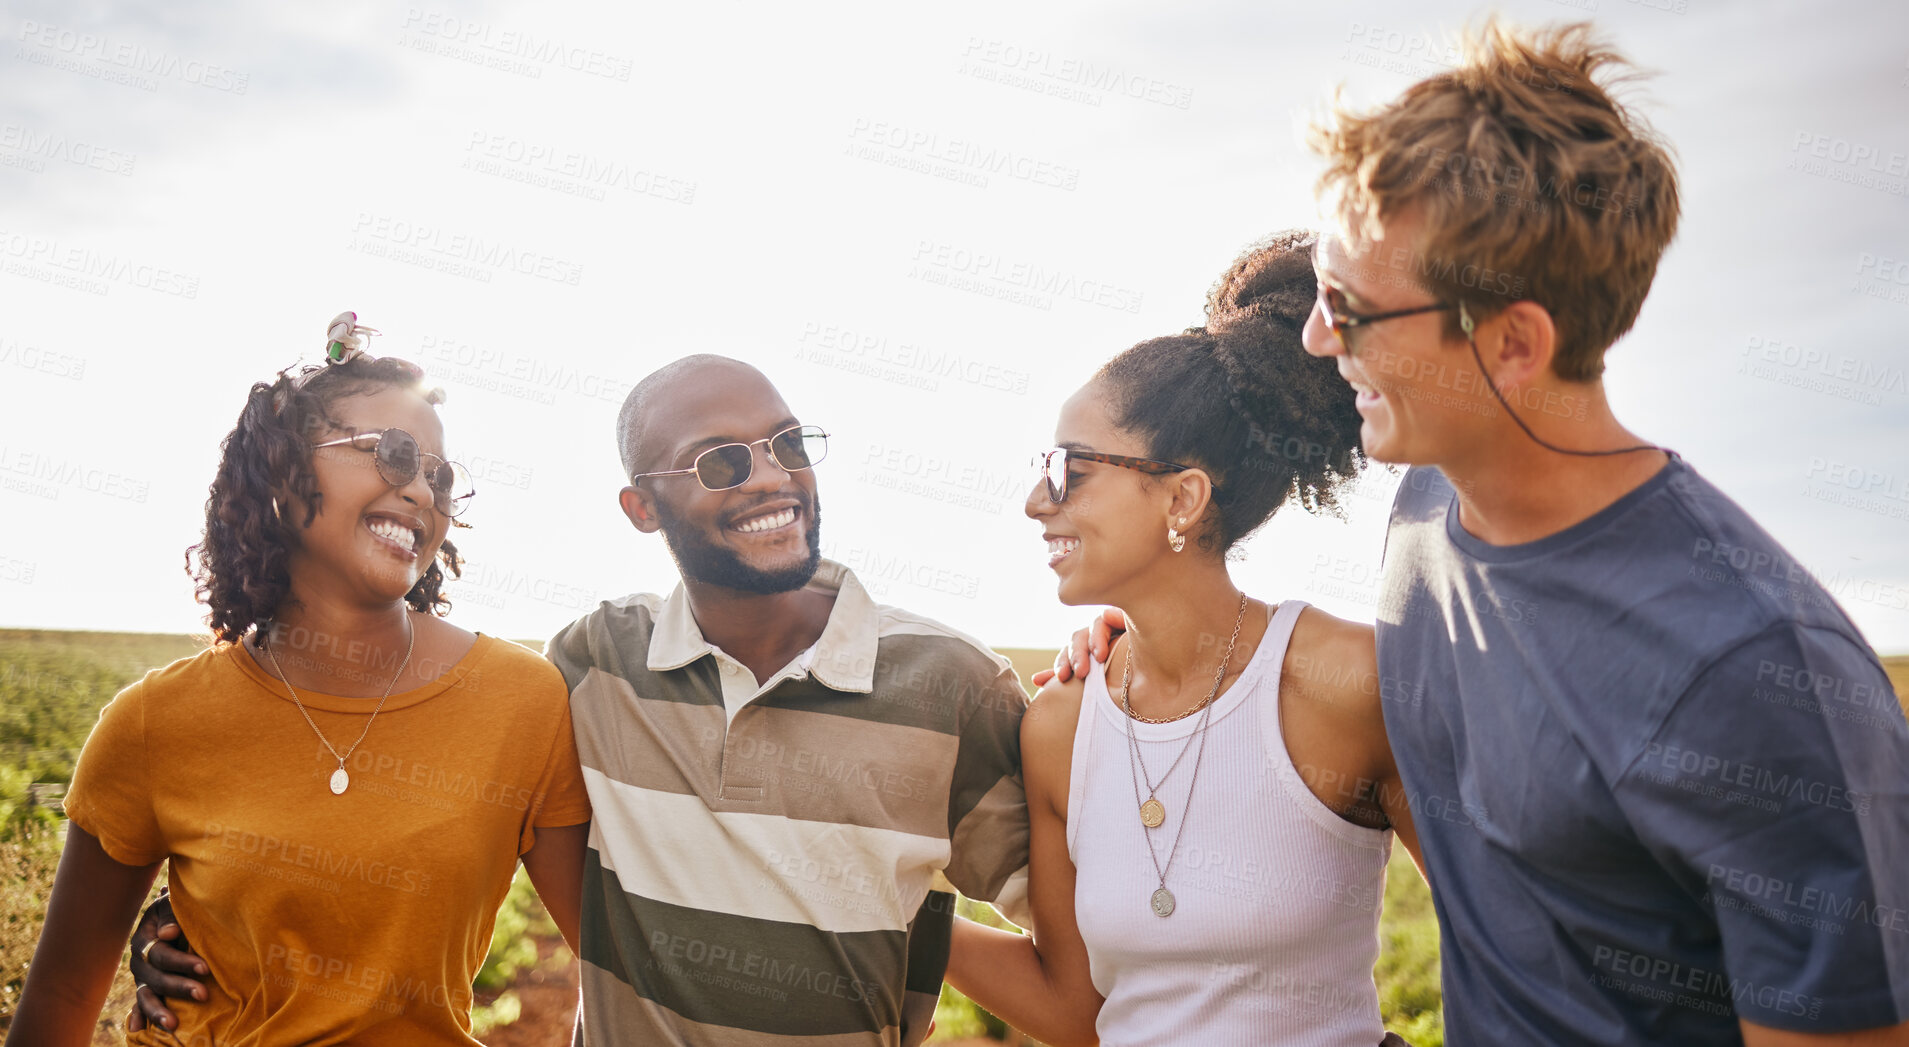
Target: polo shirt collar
844,656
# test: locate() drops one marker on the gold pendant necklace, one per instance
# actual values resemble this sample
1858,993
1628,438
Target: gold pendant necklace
1153,813
340,780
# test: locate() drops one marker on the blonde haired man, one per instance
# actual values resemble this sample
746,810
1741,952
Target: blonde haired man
1658,775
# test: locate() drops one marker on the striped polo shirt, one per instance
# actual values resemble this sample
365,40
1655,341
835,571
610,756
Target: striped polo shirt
766,877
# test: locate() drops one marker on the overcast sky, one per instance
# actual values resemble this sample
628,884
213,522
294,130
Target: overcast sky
540,204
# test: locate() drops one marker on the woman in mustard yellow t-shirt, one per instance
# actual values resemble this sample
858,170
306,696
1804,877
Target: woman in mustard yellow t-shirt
344,782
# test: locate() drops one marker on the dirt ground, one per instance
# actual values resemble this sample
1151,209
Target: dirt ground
549,998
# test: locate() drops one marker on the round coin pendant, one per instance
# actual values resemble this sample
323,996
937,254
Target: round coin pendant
339,781
1162,902
1153,815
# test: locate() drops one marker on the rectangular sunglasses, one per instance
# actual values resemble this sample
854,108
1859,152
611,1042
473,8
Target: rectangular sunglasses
730,465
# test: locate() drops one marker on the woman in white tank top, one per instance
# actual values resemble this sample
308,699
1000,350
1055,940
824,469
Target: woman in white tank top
1212,810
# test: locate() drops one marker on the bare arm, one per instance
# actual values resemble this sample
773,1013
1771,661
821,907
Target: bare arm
555,865
94,901
1333,716
1038,984
1755,1035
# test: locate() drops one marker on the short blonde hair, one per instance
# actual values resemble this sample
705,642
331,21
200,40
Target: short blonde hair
1530,180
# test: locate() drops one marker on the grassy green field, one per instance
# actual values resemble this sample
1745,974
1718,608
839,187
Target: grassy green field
52,685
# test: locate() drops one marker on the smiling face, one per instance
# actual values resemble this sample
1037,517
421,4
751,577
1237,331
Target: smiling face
762,537
1111,531
1418,393
369,538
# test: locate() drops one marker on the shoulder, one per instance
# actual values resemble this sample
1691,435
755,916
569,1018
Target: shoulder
512,656
510,674
901,628
622,623
1052,719
1331,695
1047,744
1790,696
174,694
192,666
1725,585
613,617
917,650
1332,660
186,677
1799,657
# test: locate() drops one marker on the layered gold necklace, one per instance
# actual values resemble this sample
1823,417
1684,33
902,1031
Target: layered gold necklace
1153,813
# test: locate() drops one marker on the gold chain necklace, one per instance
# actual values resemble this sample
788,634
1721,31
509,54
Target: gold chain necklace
1126,674
1153,813
340,781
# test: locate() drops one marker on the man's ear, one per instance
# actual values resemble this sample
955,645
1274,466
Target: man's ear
1518,345
640,508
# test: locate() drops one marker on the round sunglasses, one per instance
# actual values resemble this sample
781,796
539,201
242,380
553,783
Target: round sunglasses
399,458
727,466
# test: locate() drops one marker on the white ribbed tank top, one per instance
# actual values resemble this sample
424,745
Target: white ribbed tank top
1275,930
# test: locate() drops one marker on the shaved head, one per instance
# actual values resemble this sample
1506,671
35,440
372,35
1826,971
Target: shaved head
638,406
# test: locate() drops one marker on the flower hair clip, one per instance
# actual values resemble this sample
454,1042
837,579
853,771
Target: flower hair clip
345,341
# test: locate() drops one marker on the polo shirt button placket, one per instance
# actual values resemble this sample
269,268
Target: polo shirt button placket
745,793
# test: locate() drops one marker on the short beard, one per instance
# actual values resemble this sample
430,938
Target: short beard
701,561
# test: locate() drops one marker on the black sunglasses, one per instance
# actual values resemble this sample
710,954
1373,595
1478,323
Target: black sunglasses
1052,465
1340,320
399,458
727,466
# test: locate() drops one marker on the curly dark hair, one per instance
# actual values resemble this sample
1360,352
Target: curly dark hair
239,568
1242,399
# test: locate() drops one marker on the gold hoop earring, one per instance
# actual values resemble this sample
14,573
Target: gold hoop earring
1175,540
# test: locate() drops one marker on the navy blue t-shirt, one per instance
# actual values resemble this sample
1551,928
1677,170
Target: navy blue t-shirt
1660,779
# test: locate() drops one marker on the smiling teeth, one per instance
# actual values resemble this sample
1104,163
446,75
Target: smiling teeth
1062,546
395,532
768,523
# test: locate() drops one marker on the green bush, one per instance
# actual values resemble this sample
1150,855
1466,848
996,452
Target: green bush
1410,1000
52,685
521,921
496,1014
512,946
27,863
